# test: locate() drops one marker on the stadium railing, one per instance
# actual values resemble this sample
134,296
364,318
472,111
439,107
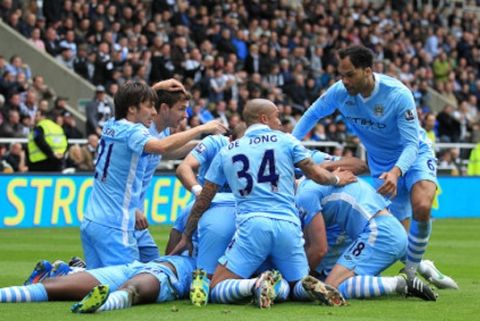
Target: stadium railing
170,164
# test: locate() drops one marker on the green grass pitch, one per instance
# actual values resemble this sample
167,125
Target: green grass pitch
454,246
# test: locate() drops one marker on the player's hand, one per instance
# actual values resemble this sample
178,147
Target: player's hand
389,186
184,244
141,222
169,85
346,177
214,127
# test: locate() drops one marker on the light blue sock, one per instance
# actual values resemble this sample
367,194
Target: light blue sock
232,290
282,291
417,244
363,286
24,293
116,300
299,293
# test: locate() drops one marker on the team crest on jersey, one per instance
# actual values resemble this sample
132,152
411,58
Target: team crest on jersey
409,115
378,110
200,148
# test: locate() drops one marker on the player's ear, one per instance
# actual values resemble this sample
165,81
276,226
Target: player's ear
368,71
132,109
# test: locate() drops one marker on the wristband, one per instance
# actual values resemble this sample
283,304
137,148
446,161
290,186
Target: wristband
337,180
196,189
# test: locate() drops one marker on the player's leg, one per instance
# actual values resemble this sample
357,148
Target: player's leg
381,244
422,195
120,247
70,287
288,256
214,233
148,249
250,246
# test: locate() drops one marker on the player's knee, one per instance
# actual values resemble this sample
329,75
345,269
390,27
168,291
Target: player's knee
422,209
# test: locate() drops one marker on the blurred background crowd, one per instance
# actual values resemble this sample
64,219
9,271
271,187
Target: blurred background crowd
226,52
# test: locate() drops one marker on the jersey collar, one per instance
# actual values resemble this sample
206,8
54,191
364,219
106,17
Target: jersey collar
375,89
256,127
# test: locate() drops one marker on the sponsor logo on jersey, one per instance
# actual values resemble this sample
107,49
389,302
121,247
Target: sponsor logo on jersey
409,115
371,124
378,110
200,148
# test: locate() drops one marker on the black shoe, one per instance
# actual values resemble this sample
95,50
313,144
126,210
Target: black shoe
416,287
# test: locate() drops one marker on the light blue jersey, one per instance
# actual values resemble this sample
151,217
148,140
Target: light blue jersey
378,238
259,168
205,152
117,186
150,164
147,248
351,207
386,122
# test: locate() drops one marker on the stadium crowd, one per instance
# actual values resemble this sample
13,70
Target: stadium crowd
227,52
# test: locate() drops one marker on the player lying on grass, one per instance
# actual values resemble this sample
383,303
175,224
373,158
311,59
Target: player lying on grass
379,240
110,288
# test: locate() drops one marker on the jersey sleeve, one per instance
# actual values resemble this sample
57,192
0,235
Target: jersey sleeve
139,136
204,151
408,125
325,105
215,172
299,152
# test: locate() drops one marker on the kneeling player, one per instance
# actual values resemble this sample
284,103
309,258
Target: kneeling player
379,239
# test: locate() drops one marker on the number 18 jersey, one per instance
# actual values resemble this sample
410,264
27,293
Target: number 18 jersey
259,168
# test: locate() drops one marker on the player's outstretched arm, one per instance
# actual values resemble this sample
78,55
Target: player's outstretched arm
172,142
186,174
181,152
202,203
321,176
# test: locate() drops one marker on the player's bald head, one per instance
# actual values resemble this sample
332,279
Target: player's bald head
257,107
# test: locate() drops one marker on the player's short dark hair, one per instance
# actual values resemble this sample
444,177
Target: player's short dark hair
360,56
132,93
170,98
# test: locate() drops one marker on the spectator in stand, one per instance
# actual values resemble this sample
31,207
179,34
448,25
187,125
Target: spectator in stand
429,122
37,40
12,126
29,106
79,159
448,125
42,91
474,161
98,111
51,41
16,158
47,145
70,126
66,57
92,146
17,66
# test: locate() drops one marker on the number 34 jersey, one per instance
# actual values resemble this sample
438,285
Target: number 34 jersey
116,184
259,168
